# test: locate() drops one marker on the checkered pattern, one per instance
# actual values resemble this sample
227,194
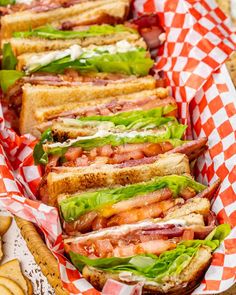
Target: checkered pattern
198,42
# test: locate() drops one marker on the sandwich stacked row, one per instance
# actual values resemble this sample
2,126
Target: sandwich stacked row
111,147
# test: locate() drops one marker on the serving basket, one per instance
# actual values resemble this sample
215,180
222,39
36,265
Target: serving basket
198,42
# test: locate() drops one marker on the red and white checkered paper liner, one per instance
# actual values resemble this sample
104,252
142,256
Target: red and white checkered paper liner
198,41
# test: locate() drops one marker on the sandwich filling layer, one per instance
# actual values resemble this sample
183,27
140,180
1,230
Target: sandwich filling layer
124,205
115,148
164,270
122,57
145,237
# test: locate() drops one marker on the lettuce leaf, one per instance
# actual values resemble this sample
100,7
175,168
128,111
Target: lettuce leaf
152,267
8,78
49,32
40,157
9,60
130,63
101,200
137,119
7,2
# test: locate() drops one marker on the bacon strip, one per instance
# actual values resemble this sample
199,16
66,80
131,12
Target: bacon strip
210,191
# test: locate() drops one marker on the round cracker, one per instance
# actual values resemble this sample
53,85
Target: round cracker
12,286
5,291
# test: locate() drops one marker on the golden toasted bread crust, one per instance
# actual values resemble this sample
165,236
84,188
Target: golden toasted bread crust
77,179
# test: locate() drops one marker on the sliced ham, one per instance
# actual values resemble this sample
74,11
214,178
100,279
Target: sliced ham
83,224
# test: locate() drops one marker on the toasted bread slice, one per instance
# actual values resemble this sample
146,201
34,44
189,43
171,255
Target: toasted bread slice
11,285
36,45
5,222
39,96
5,291
195,205
89,12
12,270
77,179
189,277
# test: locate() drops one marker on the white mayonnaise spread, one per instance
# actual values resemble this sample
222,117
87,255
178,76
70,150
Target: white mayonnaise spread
24,1
75,51
125,228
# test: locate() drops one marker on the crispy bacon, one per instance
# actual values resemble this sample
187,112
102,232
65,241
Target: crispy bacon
192,149
99,223
210,222
168,230
210,191
150,28
53,161
83,224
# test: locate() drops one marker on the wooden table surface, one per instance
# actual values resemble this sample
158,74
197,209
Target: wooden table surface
231,291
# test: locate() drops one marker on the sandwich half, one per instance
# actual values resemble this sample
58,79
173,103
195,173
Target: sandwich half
18,16
176,271
38,104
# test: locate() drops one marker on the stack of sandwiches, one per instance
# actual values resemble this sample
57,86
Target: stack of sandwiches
113,153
